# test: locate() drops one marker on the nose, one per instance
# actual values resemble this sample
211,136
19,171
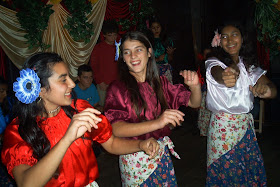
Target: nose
71,83
133,54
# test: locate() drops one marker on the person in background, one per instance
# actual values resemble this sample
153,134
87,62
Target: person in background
203,113
233,79
102,61
49,142
5,106
143,104
163,47
85,89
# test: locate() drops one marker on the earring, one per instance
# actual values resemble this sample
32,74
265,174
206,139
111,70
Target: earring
39,100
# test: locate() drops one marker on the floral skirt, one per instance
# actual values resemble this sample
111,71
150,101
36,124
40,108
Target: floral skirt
138,170
234,157
166,70
203,117
163,175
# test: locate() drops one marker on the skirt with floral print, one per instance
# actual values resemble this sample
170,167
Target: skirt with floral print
164,174
240,166
203,116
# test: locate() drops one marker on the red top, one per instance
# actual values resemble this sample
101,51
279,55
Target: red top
79,165
103,64
118,105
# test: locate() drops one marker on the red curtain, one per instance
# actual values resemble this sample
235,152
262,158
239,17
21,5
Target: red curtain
263,56
117,10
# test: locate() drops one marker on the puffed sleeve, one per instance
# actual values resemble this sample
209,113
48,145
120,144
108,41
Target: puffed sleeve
211,62
176,95
255,73
116,107
104,131
15,150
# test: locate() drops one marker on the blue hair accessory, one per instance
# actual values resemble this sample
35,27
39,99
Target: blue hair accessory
117,49
27,86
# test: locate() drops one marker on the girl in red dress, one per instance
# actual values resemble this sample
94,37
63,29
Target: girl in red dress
49,143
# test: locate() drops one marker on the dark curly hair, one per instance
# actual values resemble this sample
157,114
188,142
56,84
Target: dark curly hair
247,51
27,114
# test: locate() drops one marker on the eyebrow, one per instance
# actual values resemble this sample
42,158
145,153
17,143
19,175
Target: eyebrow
62,75
135,47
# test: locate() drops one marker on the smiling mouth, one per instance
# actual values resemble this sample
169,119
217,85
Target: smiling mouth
135,63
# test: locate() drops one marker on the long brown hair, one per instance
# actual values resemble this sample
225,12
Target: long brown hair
152,76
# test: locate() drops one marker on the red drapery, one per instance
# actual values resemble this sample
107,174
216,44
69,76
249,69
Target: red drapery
117,10
263,56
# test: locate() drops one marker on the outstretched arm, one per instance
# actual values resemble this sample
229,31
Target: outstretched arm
120,146
227,77
191,79
264,88
170,117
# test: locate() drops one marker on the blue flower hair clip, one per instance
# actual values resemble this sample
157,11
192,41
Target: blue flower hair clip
117,49
27,86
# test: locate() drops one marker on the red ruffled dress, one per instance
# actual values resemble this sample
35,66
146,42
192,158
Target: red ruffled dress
79,165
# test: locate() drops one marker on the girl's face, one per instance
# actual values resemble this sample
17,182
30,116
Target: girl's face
3,92
156,29
136,57
61,86
231,40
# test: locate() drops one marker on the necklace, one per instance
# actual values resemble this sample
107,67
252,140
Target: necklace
52,111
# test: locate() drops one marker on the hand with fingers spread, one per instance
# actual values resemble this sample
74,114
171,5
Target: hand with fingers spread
150,147
170,50
190,78
230,76
171,117
82,122
261,90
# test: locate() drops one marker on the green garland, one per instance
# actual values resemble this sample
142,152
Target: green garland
267,18
33,17
77,25
140,11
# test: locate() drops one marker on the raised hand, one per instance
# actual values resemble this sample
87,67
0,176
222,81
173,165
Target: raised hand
190,78
171,117
150,147
230,76
170,50
81,123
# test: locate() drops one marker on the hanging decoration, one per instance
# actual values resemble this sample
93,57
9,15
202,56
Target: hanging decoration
140,11
77,24
34,25
267,16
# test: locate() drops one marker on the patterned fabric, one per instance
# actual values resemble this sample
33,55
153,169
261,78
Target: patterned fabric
164,175
135,168
203,117
241,166
233,155
166,70
93,184
225,131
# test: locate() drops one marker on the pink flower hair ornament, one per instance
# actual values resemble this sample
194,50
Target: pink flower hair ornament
216,40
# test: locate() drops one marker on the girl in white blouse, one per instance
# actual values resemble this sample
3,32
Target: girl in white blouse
233,154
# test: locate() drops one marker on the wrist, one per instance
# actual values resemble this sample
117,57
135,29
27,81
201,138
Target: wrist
195,87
